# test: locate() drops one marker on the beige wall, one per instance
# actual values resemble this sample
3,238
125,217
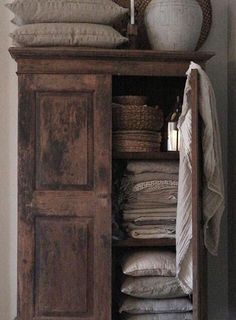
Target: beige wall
232,158
217,70
8,122
8,127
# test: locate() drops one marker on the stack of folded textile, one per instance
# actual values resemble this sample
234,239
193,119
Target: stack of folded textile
150,210
67,23
151,289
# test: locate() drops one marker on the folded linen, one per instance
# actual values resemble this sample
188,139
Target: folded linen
137,167
152,287
140,205
147,176
162,316
155,185
166,193
146,306
145,221
158,200
155,233
149,217
170,209
164,228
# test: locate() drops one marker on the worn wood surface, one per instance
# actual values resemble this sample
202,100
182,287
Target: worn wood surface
64,126
64,181
105,61
198,248
63,262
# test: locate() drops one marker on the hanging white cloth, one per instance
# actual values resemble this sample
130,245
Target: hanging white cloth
213,185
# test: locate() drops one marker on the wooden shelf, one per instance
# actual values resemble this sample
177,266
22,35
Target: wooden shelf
144,243
146,155
76,60
123,54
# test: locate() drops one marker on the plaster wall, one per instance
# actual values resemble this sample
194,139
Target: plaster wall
217,70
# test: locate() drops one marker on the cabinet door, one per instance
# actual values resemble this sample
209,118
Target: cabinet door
199,251
64,248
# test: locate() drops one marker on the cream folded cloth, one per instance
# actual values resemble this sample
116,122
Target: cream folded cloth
213,184
153,233
137,167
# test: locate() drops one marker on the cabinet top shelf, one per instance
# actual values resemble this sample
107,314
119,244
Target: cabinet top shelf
124,54
71,60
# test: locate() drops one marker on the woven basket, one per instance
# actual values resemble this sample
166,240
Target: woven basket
134,117
149,136
136,141
135,149
131,100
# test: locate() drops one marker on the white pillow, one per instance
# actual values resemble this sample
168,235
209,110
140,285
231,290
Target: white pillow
150,263
87,11
147,306
152,287
67,34
163,316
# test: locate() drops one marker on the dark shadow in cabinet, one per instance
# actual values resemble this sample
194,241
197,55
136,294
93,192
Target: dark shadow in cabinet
161,91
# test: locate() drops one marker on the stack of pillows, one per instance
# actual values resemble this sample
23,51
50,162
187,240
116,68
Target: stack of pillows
86,23
151,289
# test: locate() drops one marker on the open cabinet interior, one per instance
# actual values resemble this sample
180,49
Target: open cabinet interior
161,92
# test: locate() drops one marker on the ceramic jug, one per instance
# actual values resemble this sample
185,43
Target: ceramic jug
173,24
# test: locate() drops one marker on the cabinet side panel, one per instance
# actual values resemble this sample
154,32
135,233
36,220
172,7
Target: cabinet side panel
26,181
199,251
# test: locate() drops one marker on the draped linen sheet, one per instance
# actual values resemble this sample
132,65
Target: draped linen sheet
213,185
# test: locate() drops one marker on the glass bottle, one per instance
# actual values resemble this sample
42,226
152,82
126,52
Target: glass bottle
173,139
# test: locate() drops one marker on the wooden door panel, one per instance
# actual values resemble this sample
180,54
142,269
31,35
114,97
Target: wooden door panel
64,185
64,267
64,124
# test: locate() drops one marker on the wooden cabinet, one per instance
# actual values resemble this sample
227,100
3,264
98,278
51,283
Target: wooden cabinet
64,174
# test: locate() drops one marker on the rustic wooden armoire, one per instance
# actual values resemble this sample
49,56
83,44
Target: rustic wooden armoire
65,243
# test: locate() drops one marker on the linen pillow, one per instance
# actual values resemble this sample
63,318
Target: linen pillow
150,263
87,11
67,34
147,306
163,316
152,287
